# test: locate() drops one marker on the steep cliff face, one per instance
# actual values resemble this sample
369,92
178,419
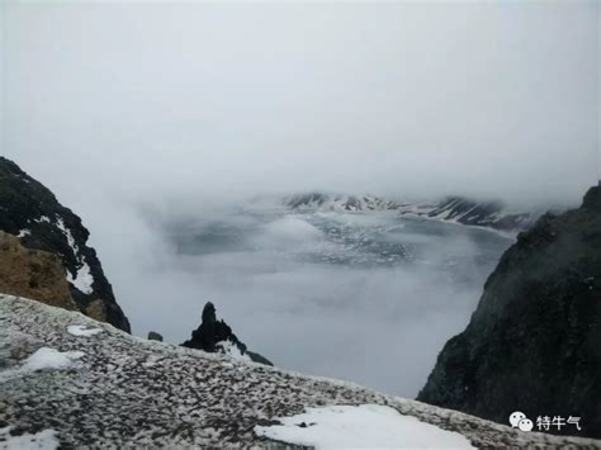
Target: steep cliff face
32,213
534,341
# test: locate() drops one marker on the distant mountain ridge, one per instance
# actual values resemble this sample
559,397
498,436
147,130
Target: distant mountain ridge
338,202
493,214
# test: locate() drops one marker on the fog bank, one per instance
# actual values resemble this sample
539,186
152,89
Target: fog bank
160,101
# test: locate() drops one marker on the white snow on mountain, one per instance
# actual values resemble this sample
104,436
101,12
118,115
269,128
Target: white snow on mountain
43,358
83,279
453,209
60,223
362,426
338,202
43,440
24,232
231,349
42,219
50,358
82,330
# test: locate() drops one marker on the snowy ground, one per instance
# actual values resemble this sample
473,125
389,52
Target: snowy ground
110,389
363,426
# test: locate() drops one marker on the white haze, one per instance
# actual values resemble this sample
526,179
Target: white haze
154,99
137,113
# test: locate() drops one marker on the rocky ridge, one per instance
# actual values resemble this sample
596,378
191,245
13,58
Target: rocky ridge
464,211
533,342
461,210
146,393
31,212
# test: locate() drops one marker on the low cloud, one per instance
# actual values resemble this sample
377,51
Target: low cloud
142,116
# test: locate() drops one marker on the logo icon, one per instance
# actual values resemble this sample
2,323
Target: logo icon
518,419
525,425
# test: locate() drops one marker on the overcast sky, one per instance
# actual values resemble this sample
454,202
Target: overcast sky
161,101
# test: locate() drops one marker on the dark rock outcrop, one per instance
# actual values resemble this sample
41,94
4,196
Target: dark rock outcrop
154,336
534,341
32,213
216,336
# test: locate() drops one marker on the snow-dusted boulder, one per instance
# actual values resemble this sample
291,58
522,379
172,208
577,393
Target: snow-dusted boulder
67,380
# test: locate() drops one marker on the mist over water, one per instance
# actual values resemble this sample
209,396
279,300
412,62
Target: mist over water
369,297
155,122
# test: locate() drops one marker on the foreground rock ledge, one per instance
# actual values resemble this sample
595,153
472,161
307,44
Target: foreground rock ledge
122,390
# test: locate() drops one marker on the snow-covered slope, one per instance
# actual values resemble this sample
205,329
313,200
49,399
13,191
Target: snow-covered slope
461,210
338,202
68,380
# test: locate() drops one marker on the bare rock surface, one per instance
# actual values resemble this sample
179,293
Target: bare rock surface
101,387
33,274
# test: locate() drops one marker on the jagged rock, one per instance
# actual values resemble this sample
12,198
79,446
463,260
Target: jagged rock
216,336
122,392
33,274
32,213
533,343
154,336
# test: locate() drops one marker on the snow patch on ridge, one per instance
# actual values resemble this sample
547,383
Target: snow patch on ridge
49,358
42,219
43,358
231,349
363,426
82,330
43,440
83,279
60,223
